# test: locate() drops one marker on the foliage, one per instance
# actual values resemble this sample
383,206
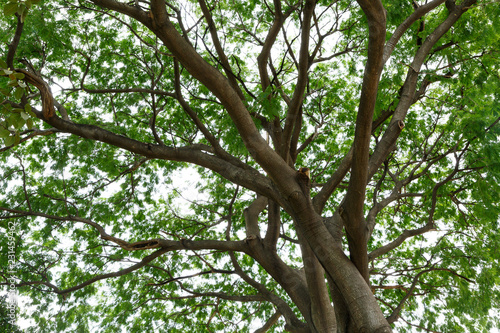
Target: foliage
159,189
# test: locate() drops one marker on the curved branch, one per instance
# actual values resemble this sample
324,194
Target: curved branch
229,167
15,42
386,144
429,226
395,313
251,215
292,321
403,27
220,52
293,117
398,241
146,260
218,84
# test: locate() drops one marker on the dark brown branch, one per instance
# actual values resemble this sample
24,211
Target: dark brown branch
234,169
190,112
33,133
209,76
429,226
398,241
263,57
126,90
319,201
395,313
15,42
212,271
322,313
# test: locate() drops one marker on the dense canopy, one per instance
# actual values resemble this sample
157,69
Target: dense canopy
263,166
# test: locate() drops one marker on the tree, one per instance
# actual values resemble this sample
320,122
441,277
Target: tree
347,160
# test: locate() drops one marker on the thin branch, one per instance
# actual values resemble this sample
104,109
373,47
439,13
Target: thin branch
293,118
403,27
386,144
146,260
269,323
395,313
218,47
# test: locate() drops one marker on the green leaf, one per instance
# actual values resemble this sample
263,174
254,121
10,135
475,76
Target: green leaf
3,64
28,110
10,140
21,9
4,132
9,9
29,123
18,92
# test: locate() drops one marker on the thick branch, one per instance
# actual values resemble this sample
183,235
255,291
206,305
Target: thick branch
375,14
222,89
273,226
357,233
251,214
322,313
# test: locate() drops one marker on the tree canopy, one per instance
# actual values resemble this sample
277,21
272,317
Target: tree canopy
264,166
